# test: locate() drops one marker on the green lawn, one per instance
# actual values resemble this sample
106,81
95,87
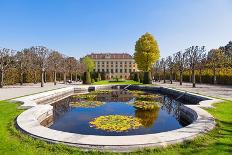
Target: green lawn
218,141
116,82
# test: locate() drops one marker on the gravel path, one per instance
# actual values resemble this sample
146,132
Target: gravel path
220,91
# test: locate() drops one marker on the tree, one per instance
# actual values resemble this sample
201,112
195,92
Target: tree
201,65
163,65
55,62
89,65
71,64
146,54
170,65
77,70
82,68
22,63
179,59
194,55
6,59
227,52
157,70
42,55
64,68
215,60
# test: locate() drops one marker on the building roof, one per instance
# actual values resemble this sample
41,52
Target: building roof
110,56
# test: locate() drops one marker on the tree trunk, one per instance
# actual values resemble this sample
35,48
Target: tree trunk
71,76
181,78
171,76
193,77
45,77
76,77
21,77
200,74
214,76
64,78
190,76
1,79
35,81
42,78
21,74
54,77
164,75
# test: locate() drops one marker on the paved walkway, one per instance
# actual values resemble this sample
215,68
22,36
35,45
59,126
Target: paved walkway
9,92
220,91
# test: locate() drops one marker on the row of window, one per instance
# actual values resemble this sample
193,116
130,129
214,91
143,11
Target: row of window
115,66
112,62
115,71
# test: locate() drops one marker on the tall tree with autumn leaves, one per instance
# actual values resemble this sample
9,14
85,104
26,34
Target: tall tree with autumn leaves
146,54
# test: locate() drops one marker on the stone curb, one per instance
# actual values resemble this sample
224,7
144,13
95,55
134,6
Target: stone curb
29,122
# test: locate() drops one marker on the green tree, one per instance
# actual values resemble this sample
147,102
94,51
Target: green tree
89,65
146,54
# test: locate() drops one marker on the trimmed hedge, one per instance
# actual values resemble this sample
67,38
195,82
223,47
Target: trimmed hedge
223,75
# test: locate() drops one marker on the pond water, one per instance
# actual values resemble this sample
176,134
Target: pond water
73,119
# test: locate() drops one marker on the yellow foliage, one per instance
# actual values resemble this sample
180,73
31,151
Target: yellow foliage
116,123
146,52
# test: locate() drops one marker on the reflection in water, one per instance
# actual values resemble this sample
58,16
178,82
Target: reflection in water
60,108
171,107
115,96
148,117
168,116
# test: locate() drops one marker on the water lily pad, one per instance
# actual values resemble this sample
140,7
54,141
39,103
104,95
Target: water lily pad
87,104
116,123
146,105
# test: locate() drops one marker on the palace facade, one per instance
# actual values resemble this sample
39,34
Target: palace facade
114,65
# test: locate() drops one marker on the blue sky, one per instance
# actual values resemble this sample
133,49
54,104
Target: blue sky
79,27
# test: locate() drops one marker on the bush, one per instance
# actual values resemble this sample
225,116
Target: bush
103,76
87,78
141,77
136,77
147,78
99,76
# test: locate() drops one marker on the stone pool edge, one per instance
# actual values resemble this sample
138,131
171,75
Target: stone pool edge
29,123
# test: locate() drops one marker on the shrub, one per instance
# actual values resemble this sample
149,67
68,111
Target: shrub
136,77
87,78
147,78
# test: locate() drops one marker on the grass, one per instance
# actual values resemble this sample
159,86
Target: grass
103,82
218,141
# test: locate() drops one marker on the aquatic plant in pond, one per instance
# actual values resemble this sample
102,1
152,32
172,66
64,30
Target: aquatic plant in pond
147,97
85,96
96,92
137,92
146,105
117,123
87,104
